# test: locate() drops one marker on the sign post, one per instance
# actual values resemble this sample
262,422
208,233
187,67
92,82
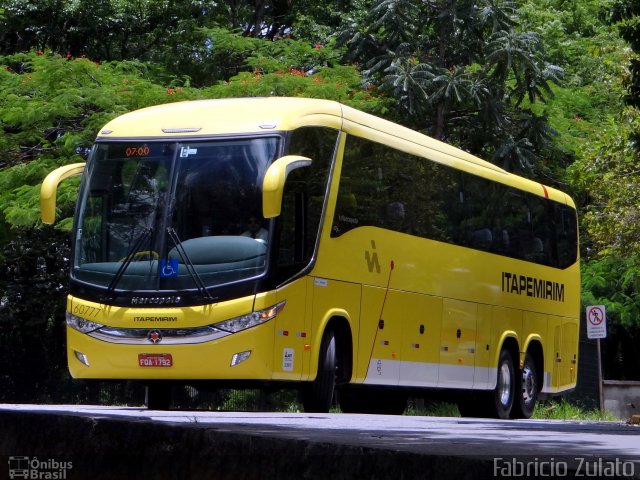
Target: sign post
597,329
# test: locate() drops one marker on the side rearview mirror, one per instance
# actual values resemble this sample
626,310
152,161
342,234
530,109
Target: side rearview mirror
49,189
274,180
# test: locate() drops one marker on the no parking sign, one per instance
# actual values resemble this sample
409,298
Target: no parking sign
596,322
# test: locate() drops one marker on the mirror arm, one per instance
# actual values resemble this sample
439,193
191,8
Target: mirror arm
274,180
49,188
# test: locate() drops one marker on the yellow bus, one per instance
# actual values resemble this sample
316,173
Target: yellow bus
302,243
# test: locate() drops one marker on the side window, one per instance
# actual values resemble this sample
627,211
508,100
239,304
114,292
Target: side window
437,206
303,199
566,231
386,188
363,190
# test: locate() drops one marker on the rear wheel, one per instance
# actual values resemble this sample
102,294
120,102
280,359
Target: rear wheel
317,396
497,403
503,395
527,391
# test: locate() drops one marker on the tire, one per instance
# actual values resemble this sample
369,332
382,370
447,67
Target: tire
159,395
503,396
527,393
375,401
317,396
498,403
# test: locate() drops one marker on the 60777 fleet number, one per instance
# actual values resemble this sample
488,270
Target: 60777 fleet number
85,311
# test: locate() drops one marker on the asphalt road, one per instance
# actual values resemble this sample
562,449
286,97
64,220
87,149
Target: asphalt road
470,448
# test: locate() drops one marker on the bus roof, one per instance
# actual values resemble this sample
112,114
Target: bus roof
231,116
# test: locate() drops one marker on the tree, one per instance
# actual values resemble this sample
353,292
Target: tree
459,69
607,171
627,13
181,36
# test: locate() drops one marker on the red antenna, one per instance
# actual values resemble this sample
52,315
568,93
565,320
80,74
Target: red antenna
384,301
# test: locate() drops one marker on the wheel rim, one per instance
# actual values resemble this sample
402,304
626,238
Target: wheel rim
330,360
528,385
505,384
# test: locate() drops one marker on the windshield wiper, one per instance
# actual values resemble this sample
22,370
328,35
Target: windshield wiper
146,233
189,265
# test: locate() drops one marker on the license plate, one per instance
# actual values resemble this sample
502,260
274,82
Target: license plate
155,360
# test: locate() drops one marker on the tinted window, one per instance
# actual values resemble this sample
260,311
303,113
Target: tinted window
386,188
303,199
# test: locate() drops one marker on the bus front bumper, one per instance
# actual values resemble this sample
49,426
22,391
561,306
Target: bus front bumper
244,355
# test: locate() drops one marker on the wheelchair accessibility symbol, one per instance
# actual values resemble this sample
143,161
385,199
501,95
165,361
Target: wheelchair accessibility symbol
168,268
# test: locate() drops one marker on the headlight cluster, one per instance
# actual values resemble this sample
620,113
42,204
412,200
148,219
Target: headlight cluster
232,325
82,324
243,322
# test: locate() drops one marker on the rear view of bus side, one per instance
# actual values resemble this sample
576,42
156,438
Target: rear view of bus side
301,243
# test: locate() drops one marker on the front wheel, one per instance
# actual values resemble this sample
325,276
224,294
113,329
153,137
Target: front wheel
317,396
527,393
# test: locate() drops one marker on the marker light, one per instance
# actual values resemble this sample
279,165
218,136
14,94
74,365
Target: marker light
240,357
238,324
82,324
82,357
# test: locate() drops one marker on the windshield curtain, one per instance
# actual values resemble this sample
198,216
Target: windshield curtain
173,216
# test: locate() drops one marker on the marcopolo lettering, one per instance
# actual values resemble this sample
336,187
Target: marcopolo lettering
172,300
532,287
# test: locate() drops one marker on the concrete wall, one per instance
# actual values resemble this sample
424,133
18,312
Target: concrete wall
621,398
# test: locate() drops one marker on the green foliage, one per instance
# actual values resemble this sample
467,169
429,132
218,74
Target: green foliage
563,410
183,36
51,107
614,281
461,71
608,173
341,83
576,35
101,29
218,53
559,409
627,14
431,408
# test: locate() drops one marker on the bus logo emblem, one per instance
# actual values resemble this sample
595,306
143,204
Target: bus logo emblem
372,259
154,336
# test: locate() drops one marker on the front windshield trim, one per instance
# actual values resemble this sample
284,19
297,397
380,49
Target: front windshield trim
122,288
280,135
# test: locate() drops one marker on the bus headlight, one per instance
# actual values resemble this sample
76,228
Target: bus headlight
238,324
82,324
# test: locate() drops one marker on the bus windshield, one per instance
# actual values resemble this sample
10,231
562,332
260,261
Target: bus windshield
173,216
